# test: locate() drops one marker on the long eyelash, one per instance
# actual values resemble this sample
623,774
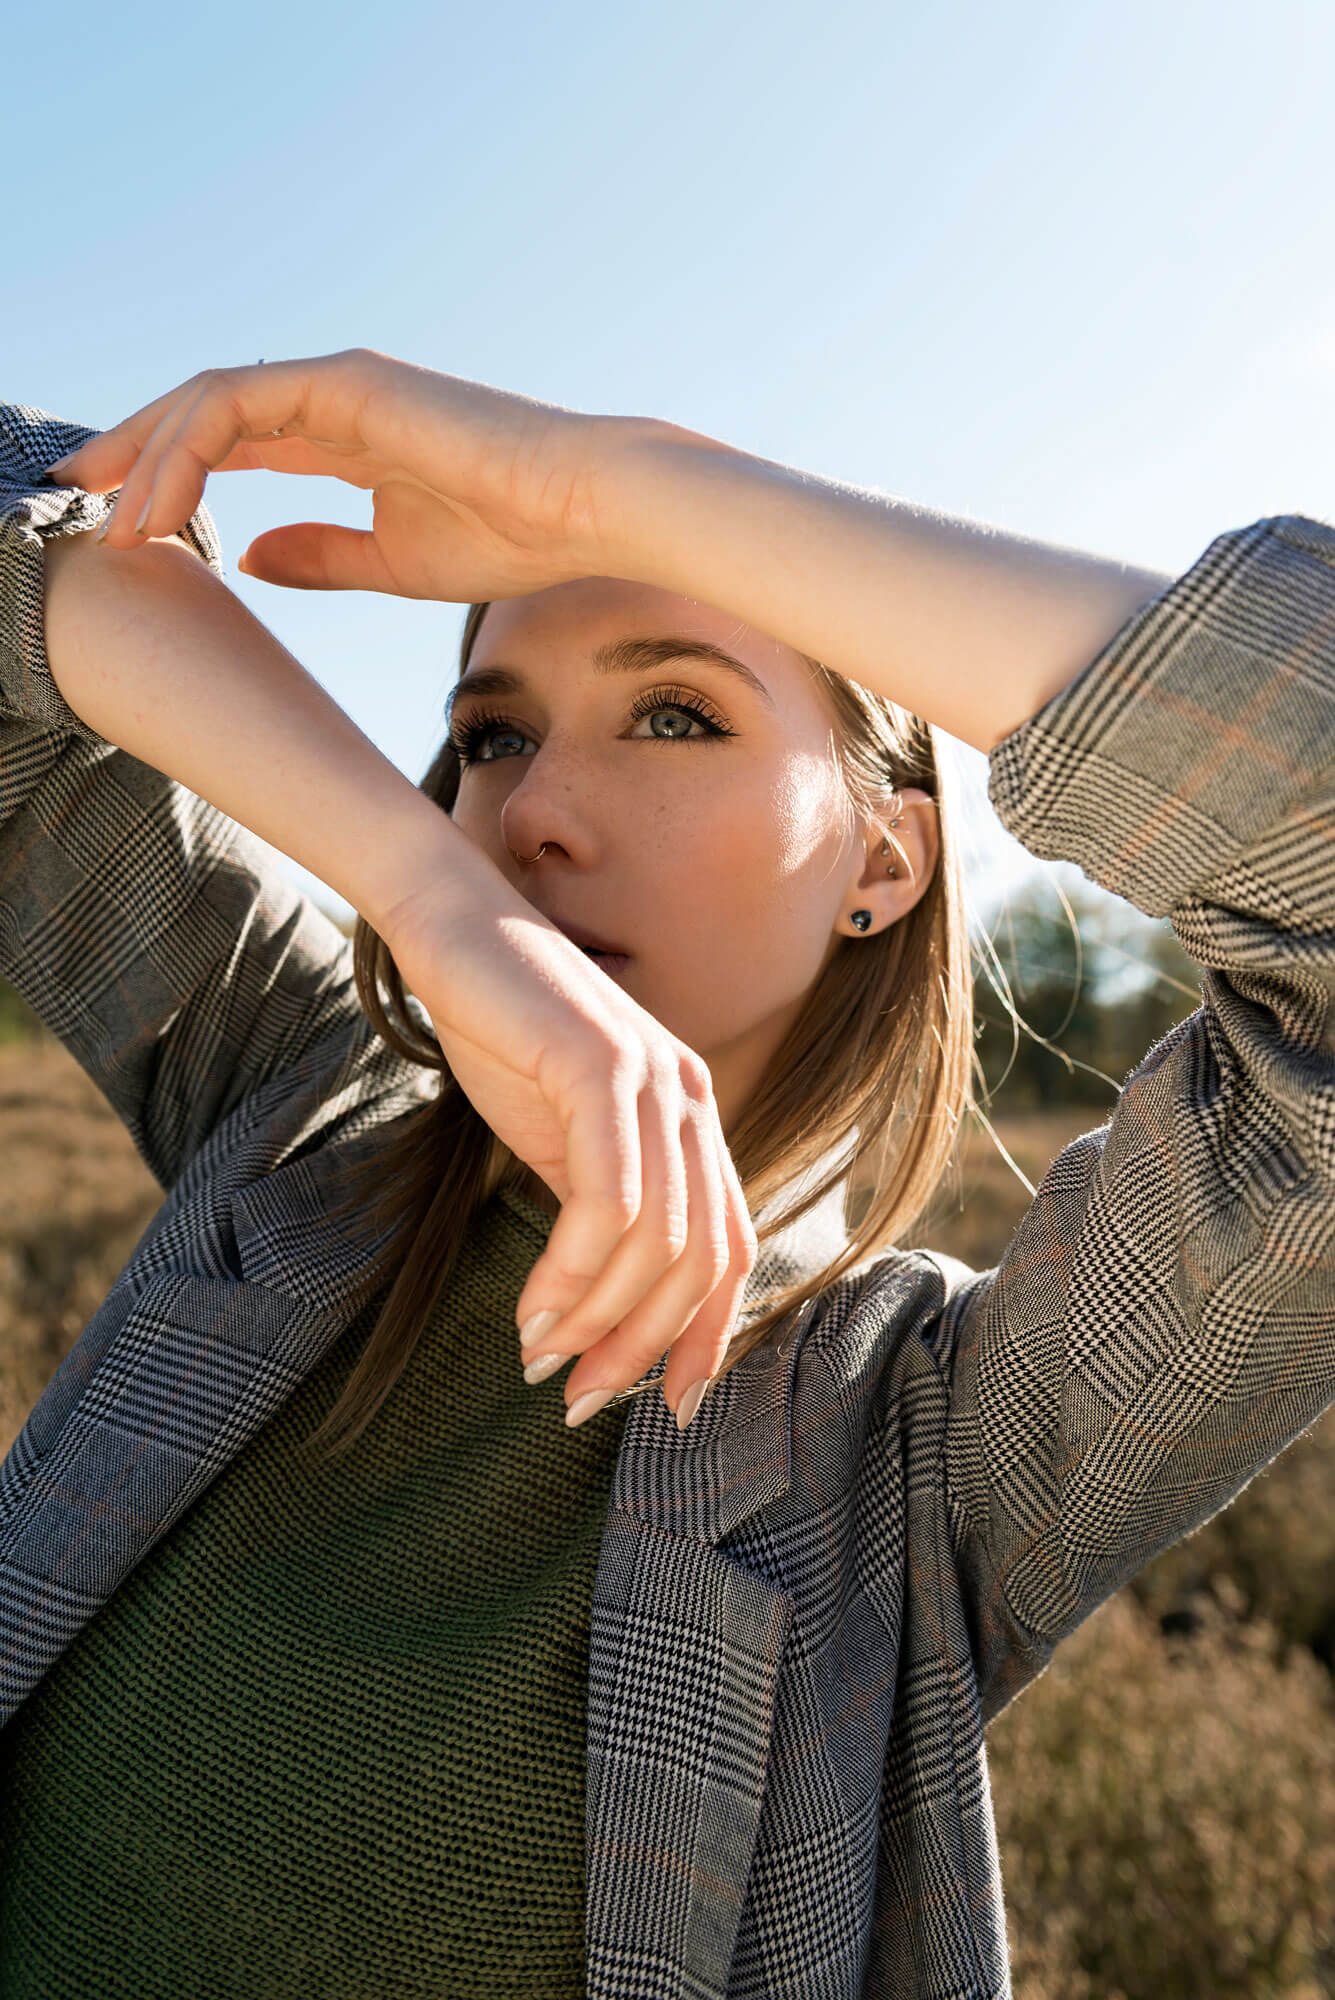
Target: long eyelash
468,731
678,697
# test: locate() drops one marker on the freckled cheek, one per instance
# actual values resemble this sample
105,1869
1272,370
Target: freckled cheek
722,900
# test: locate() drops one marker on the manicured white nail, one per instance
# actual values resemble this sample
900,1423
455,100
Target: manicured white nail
690,1402
533,1329
584,1406
139,524
545,1365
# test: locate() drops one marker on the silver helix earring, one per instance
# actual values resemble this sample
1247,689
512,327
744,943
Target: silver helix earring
861,919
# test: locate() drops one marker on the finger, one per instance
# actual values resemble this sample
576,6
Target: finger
599,1111
741,1229
195,429
650,1246
670,1312
700,1352
317,555
167,480
309,458
102,462
703,1341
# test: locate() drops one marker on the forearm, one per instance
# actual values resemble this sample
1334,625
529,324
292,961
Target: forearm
970,627
152,651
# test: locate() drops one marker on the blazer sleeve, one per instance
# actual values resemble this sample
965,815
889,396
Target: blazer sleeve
1162,1323
152,934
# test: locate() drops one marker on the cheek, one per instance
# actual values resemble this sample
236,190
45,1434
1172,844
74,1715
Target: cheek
764,857
805,858
717,866
747,890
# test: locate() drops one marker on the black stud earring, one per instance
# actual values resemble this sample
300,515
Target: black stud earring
861,919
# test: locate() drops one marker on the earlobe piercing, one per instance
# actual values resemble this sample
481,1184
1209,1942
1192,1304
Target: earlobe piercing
860,919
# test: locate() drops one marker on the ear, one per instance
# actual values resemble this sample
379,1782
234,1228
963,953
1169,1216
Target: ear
914,844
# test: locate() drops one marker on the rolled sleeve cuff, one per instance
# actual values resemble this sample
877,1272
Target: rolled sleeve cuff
1201,724
31,512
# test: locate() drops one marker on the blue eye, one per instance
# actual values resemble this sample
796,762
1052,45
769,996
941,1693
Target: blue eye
469,733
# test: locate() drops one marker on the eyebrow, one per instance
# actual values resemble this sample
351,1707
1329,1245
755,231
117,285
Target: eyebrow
621,656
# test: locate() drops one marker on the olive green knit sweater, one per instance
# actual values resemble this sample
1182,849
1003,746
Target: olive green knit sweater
329,1737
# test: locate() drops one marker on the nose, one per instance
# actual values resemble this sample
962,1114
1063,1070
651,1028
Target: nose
536,819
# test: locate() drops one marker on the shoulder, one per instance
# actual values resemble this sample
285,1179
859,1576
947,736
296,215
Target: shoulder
888,1311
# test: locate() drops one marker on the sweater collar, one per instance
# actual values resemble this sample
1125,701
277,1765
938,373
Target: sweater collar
735,1456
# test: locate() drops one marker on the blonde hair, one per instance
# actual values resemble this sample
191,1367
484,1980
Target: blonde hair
870,1084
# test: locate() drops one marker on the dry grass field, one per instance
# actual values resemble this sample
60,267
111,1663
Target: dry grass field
74,1199
1165,1792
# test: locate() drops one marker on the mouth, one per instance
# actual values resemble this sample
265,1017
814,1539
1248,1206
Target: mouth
592,946
610,961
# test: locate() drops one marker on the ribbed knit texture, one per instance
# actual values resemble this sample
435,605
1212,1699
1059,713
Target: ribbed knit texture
329,1737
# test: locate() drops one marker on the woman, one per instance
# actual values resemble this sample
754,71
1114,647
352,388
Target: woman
692,1702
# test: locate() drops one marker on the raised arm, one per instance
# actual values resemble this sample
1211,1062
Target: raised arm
154,653
479,493
150,933
1162,1323
970,627
140,706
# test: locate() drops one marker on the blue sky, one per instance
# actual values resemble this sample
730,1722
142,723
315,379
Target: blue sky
1064,268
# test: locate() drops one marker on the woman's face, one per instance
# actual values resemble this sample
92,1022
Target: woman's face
725,864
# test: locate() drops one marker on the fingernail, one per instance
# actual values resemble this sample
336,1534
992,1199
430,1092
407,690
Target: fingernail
690,1402
60,465
533,1329
585,1406
545,1365
100,534
139,524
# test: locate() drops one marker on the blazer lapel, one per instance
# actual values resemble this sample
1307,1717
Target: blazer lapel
174,1375
685,1649
686,1643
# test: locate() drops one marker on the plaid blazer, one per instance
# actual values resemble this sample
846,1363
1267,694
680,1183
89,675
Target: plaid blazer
809,1604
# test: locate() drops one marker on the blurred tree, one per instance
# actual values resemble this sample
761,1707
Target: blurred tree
1095,987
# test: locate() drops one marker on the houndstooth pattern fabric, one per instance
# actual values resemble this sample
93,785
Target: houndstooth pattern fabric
875,1531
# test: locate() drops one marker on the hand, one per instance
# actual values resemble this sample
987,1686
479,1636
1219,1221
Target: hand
478,494
653,1245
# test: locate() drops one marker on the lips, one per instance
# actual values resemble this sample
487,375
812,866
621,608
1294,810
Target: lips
587,941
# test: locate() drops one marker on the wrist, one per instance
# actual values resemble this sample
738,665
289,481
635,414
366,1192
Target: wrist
632,469
424,866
